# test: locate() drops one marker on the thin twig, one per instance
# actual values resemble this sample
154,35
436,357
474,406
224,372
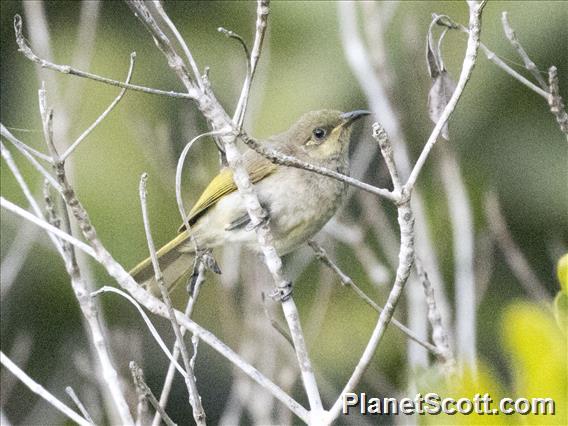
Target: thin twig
406,258
66,69
439,334
144,389
493,57
7,156
274,323
262,11
529,64
147,321
79,404
190,381
182,43
101,117
179,172
8,205
166,388
348,282
23,148
41,391
289,161
513,254
380,135
163,43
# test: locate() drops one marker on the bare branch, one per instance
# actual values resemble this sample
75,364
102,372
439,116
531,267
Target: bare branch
493,57
289,161
26,190
220,121
66,69
99,253
41,391
163,43
8,205
144,389
348,282
176,352
79,404
439,335
23,148
555,101
86,133
179,170
182,43
374,81
80,289
529,64
380,135
262,11
406,259
190,381
406,217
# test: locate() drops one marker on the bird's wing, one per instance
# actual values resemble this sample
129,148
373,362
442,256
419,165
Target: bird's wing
257,167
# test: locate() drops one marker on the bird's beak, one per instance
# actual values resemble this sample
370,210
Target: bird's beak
350,117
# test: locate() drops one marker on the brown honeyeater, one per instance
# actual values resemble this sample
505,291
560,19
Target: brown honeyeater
298,202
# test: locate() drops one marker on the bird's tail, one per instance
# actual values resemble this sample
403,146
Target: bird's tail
175,260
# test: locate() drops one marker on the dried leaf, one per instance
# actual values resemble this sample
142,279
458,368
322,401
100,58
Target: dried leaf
442,84
442,88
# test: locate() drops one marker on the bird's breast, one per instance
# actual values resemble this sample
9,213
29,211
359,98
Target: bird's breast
300,203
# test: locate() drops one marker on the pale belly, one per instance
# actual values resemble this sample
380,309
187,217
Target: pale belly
297,211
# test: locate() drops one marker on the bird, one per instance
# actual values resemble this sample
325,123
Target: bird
298,202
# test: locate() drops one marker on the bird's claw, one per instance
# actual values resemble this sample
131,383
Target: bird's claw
265,219
207,259
283,292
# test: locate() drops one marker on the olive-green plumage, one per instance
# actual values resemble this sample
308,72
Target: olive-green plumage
298,202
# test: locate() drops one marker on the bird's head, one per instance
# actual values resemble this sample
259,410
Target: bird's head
324,134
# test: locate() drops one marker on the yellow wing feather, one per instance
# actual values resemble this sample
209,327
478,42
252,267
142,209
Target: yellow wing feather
258,168
223,184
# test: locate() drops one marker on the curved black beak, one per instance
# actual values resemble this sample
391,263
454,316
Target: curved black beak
350,117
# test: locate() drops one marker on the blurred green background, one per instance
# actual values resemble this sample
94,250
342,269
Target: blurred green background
504,135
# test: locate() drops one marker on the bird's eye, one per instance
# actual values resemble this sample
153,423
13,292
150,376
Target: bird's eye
319,133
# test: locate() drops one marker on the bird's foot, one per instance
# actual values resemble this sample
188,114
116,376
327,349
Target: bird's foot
264,220
205,256
283,292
